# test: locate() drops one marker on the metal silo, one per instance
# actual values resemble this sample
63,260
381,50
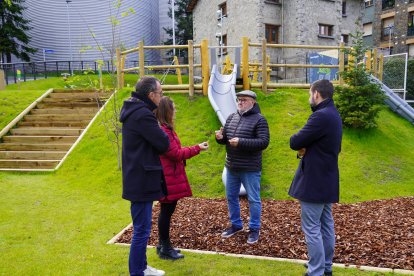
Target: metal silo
73,29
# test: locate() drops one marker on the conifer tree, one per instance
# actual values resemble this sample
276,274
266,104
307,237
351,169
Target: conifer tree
13,28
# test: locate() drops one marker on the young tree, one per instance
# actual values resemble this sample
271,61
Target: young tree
183,25
360,100
13,28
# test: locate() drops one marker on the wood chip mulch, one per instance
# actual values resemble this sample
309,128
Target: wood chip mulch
378,233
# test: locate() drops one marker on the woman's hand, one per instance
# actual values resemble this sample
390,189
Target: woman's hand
203,146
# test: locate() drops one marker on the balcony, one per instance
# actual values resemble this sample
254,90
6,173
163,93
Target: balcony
388,4
410,31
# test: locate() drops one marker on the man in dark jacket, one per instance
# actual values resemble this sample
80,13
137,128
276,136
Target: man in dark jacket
142,177
316,182
246,135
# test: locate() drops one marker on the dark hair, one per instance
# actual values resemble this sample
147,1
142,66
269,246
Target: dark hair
146,85
165,112
324,87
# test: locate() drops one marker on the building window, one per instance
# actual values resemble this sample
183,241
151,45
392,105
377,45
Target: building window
367,29
345,38
410,31
223,44
272,33
368,3
387,28
325,30
223,9
410,50
343,8
388,4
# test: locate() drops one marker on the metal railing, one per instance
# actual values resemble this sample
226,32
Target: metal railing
24,71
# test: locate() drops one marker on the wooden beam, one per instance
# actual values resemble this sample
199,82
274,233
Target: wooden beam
245,62
205,66
264,66
190,68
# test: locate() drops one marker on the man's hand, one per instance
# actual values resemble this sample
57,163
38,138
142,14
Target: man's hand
301,152
219,134
234,141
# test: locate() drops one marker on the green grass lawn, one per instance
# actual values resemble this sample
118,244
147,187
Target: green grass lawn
58,223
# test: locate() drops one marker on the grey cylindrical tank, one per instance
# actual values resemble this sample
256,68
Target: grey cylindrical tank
89,19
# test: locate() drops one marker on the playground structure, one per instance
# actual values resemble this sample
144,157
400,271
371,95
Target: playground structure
249,74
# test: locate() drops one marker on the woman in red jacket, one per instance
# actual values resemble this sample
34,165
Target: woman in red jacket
173,164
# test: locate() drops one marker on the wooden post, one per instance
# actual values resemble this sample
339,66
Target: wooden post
351,61
100,77
122,69
141,59
268,70
380,66
264,66
118,68
375,62
2,80
205,66
255,71
341,62
191,68
368,61
178,71
245,62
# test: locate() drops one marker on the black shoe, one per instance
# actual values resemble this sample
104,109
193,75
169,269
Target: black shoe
167,252
158,247
231,231
326,273
253,236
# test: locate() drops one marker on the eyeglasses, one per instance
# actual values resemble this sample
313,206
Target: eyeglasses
160,92
241,100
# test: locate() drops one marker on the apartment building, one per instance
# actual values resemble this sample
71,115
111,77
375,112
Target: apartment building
316,22
393,26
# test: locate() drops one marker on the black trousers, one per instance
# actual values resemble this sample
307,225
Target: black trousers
164,220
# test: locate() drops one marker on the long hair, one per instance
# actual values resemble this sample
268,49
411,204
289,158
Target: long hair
165,112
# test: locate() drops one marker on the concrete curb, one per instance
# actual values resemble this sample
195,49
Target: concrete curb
296,261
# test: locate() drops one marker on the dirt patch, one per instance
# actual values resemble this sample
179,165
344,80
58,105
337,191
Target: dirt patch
377,233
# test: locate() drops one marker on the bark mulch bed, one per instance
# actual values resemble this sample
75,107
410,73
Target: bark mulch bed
377,233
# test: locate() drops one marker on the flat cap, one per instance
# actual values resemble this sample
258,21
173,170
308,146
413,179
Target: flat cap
246,93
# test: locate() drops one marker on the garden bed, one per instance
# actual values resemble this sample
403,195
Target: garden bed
376,233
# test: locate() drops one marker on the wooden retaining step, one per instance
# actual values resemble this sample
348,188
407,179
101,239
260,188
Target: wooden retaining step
35,147
28,164
90,95
69,104
32,155
58,117
39,131
85,110
39,139
78,124
71,100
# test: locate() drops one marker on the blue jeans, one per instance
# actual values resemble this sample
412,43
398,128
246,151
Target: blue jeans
141,213
251,182
318,226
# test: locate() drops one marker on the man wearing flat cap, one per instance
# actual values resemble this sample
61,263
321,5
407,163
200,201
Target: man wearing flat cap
246,135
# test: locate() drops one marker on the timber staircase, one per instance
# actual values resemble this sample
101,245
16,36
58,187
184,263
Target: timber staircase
41,137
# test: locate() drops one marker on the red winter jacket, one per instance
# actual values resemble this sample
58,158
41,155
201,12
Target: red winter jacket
173,165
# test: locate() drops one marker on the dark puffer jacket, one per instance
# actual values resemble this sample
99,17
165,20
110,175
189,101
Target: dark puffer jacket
142,143
253,132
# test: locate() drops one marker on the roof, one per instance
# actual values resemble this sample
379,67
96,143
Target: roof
191,5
